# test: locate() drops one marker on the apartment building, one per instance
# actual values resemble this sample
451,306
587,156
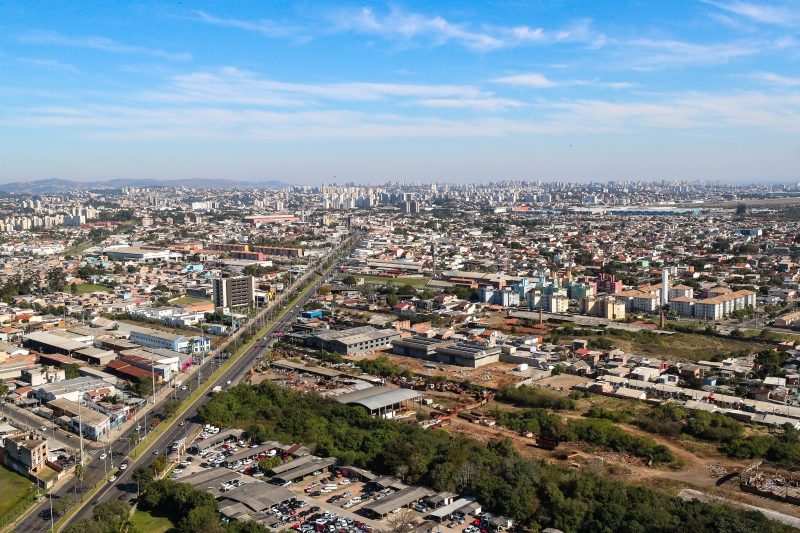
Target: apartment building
232,292
26,453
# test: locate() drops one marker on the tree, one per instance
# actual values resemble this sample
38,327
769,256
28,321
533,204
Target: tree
71,371
80,471
349,280
143,475
61,505
55,279
399,521
111,512
87,525
741,209
159,464
407,290
73,288
391,300
269,463
171,409
3,388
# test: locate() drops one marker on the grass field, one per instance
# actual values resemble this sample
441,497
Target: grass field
147,523
83,288
189,300
14,489
380,280
683,346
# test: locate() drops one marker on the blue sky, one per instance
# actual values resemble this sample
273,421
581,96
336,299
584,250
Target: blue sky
410,91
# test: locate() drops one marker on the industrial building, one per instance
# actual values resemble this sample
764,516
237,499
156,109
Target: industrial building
468,355
50,343
233,292
419,347
381,401
142,255
353,341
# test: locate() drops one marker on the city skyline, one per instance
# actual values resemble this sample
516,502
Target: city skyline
315,93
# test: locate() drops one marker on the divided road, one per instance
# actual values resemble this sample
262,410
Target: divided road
33,523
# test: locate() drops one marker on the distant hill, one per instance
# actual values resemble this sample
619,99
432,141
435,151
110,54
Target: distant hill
60,186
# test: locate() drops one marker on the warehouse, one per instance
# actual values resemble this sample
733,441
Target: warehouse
380,401
353,341
47,343
142,255
467,355
96,356
419,347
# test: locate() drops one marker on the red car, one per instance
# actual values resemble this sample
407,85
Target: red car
296,526
124,496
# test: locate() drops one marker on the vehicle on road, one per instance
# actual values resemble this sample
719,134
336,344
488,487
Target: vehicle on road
155,452
103,455
112,479
43,428
182,423
123,466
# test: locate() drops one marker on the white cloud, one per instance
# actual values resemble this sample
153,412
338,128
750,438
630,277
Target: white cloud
540,81
780,15
99,43
530,80
48,64
776,79
488,104
650,53
408,26
238,87
264,26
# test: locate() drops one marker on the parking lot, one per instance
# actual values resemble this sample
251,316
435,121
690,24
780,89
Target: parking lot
328,500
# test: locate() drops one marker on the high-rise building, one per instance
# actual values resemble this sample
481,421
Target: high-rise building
411,207
664,285
238,291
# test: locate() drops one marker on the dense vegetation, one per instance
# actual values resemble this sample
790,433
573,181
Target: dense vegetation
192,510
673,420
594,431
382,366
530,491
526,396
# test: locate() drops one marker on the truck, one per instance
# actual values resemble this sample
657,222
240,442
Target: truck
216,389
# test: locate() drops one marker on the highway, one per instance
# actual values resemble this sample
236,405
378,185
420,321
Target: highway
165,436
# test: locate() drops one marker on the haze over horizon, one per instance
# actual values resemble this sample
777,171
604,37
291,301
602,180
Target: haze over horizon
317,92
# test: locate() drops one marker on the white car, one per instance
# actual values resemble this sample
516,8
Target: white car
183,388
112,479
103,455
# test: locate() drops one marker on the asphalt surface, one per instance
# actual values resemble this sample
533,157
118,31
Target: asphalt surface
165,436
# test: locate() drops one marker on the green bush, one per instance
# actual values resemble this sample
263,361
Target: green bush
527,396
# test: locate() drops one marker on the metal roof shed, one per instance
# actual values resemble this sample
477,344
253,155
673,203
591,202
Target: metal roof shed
306,469
405,497
386,400
443,512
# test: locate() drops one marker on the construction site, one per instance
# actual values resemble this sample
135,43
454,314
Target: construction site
772,480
